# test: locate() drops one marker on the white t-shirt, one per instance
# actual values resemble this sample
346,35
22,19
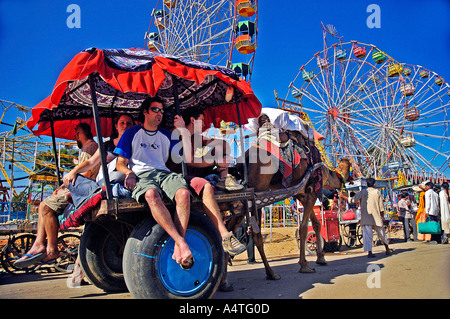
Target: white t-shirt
145,149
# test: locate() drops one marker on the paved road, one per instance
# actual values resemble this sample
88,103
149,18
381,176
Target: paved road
416,270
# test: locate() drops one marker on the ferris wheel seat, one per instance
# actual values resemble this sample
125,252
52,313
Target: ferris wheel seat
308,76
407,141
359,52
170,4
241,69
341,55
407,71
378,56
245,45
395,69
439,81
322,63
424,74
296,93
151,45
407,89
245,8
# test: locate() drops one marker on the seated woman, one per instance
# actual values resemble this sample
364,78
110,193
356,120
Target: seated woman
85,193
121,124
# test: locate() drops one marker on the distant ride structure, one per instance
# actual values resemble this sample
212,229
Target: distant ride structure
218,32
389,118
27,165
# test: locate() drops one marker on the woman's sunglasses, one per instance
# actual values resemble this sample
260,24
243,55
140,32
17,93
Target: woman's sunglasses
157,110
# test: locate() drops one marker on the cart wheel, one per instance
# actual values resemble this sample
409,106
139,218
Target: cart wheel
359,234
15,249
311,242
150,271
350,234
68,249
101,251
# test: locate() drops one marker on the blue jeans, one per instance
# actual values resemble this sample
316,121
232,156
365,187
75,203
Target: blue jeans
412,222
83,188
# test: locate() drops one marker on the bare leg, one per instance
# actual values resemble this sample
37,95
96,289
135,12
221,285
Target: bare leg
47,230
212,209
182,253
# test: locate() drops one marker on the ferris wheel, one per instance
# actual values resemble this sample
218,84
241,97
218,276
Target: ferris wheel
218,32
385,115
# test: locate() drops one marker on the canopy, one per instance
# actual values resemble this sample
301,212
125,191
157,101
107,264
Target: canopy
123,78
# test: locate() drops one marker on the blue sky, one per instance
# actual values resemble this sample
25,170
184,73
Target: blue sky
35,42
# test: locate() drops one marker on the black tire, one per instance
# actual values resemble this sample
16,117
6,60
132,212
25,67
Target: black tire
101,252
150,272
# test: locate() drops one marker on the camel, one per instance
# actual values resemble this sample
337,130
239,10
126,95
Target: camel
262,179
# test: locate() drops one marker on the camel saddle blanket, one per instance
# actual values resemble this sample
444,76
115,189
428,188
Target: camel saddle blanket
289,154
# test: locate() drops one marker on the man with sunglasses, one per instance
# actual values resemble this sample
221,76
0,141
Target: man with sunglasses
142,153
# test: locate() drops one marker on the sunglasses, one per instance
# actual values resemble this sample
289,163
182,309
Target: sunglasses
157,110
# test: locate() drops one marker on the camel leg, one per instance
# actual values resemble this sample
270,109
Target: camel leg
307,201
224,284
317,228
259,243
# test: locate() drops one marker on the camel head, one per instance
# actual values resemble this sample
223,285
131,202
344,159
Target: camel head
335,179
343,168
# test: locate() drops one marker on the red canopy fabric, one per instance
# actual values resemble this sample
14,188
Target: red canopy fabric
123,78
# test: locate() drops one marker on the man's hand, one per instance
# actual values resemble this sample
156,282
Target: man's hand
178,122
130,181
69,178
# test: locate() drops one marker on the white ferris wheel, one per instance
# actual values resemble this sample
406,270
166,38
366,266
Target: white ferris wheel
387,116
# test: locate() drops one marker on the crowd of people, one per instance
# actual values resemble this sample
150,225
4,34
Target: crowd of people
433,205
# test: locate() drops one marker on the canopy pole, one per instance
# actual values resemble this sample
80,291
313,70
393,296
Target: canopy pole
101,146
177,106
54,151
242,147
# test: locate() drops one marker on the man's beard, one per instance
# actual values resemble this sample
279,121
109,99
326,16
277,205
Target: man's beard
80,146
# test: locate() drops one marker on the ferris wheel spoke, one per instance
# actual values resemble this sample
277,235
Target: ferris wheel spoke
427,135
319,101
423,160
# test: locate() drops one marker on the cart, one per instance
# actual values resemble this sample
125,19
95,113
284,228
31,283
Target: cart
351,232
122,247
329,232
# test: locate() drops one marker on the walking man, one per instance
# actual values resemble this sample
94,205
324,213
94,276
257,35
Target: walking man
372,211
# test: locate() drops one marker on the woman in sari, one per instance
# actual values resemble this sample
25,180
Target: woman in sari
421,216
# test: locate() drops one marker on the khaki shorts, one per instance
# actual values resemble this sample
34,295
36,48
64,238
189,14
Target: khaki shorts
165,182
58,202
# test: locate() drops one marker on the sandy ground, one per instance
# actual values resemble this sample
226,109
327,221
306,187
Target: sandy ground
416,270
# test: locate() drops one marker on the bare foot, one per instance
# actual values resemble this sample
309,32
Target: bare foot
182,254
51,255
33,251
